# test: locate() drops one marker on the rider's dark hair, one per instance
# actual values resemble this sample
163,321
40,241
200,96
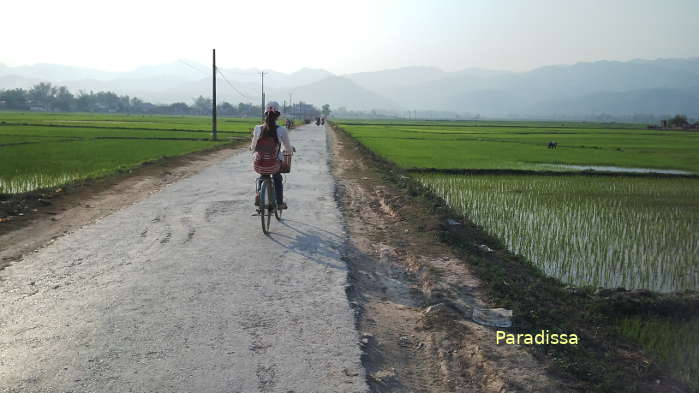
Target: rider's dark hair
270,126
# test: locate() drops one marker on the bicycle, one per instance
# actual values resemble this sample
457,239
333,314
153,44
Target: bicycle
267,200
266,193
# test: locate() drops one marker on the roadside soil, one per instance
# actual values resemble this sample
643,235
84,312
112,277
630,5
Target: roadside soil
33,221
413,297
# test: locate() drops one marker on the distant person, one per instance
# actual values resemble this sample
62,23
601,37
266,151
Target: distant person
322,121
269,138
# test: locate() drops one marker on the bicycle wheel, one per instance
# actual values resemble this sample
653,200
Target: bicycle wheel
271,201
277,208
278,213
265,212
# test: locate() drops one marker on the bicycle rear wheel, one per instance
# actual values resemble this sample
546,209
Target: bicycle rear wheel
278,213
277,209
271,201
265,205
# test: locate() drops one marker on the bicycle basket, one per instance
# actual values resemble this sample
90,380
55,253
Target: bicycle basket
286,163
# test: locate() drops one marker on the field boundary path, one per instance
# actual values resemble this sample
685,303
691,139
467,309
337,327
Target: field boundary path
182,292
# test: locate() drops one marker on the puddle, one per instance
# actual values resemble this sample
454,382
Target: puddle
617,169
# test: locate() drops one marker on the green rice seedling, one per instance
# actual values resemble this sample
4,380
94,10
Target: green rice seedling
46,164
35,181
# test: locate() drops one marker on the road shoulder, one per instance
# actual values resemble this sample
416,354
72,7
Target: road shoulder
398,269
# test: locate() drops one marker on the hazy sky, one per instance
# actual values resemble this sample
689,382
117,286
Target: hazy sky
346,36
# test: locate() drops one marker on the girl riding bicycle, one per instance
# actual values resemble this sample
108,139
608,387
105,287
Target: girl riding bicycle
267,139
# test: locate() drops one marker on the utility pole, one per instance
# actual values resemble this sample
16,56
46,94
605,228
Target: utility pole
263,92
291,104
213,107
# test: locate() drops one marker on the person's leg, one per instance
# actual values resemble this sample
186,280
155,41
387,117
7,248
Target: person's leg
279,187
258,182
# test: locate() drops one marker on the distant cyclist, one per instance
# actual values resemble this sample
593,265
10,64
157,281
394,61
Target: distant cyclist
269,138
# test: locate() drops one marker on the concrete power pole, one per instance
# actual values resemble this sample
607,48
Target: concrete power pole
213,107
263,92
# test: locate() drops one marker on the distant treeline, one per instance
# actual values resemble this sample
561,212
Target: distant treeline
45,97
344,113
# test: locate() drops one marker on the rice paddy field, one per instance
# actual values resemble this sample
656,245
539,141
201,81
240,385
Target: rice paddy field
631,232
46,150
468,145
586,230
551,206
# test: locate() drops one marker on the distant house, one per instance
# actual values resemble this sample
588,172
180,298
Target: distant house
38,108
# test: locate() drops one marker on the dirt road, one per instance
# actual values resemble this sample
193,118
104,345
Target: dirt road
182,292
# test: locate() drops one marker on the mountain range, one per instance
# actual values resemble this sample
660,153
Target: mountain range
654,87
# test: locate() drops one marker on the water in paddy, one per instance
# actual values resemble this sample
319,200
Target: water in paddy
618,169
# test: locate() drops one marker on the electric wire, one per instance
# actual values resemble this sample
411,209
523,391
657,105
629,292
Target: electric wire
192,67
219,73
231,85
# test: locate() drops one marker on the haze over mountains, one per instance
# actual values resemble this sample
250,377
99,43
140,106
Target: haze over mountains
656,87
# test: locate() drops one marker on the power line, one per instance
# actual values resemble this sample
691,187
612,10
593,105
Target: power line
231,85
220,73
192,67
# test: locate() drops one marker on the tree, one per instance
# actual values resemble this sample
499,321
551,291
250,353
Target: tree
137,105
106,101
178,108
85,102
678,121
307,109
15,99
226,109
64,100
326,110
203,105
42,95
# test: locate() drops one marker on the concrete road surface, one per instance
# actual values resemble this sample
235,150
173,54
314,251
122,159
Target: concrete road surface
183,293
